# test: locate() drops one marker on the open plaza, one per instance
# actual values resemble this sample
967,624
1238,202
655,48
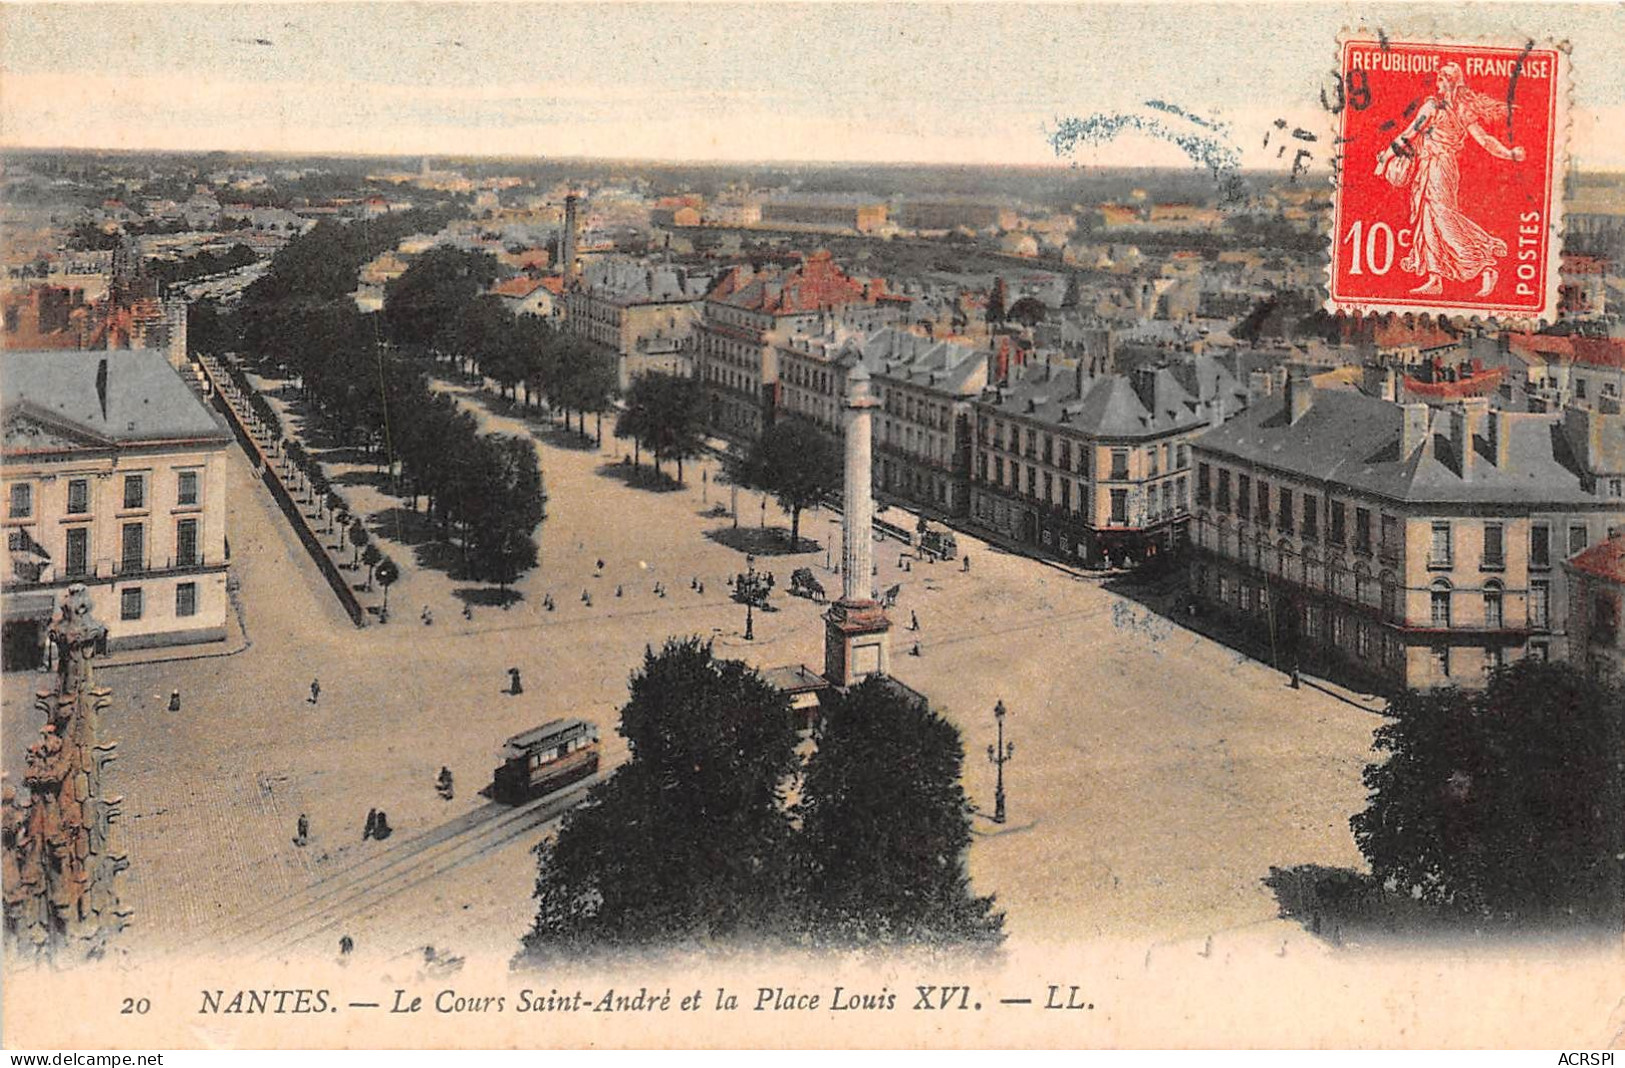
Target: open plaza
1158,777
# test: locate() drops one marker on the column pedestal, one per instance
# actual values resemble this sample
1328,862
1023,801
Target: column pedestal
857,642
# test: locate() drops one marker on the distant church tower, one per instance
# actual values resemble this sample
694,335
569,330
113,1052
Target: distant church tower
567,239
857,641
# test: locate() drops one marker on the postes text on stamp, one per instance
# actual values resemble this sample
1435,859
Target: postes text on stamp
1448,190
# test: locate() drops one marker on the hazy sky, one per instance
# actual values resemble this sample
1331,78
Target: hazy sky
973,83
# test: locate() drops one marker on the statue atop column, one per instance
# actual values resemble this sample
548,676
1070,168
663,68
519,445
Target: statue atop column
62,853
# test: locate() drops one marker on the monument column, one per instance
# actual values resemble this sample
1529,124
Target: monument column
857,632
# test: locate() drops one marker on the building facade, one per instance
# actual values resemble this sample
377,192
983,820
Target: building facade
114,476
1596,601
1403,546
645,313
926,390
750,314
1091,466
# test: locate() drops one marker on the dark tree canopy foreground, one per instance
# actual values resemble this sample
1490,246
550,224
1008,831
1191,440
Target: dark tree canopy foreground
693,844
1506,804
885,827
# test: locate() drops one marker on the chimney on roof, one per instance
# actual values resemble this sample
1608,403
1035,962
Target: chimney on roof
101,385
1259,384
1497,429
1583,428
1144,380
1466,420
1300,397
1215,409
1413,429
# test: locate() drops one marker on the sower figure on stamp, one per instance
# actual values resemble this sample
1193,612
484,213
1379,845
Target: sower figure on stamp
1445,242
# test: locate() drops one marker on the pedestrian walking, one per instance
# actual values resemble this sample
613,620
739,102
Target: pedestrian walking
174,700
442,783
427,617
913,621
302,830
701,590
547,602
468,610
315,690
600,564
617,590
372,824
584,598
382,829
515,687
346,945
964,564
915,651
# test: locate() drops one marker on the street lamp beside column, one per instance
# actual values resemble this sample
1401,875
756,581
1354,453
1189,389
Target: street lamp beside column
999,755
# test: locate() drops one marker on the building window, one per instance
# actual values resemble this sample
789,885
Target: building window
1181,503
1494,545
134,555
1244,496
130,603
1184,456
1440,603
78,496
78,551
1540,604
1119,507
1311,569
1540,652
135,491
186,488
1441,661
1577,538
1263,503
1362,530
186,599
1224,490
186,554
1284,517
1390,597
1493,615
1311,518
1362,639
1439,549
22,500
1339,523
1540,545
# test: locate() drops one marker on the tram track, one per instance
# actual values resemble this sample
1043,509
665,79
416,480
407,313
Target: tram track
286,922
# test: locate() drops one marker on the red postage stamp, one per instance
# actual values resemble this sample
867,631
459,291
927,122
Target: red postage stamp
1449,196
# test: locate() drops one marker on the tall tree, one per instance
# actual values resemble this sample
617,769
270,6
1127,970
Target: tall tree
885,827
797,463
423,307
1505,804
665,414
686,843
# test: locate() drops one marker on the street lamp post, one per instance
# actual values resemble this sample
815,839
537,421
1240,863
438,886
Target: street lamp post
750,598
999,755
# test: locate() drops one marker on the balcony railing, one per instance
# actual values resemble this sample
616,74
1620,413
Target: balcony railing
91,571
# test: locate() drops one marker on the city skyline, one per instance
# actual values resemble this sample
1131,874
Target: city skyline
970,84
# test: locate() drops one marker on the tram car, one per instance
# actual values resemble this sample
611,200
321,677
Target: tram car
545,759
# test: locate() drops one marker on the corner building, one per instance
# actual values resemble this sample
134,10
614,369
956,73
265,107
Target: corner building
114,476
1400,546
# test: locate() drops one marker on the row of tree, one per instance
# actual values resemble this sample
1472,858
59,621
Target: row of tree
695,840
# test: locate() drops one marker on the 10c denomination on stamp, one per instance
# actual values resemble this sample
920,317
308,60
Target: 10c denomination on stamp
1449,196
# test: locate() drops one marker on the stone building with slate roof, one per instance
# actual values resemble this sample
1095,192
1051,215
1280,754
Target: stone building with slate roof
1402,545
749,313
114,475
927,390
1092,466
1597,608
645,312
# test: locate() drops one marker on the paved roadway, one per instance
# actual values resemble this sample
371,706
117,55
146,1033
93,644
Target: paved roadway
1157,775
